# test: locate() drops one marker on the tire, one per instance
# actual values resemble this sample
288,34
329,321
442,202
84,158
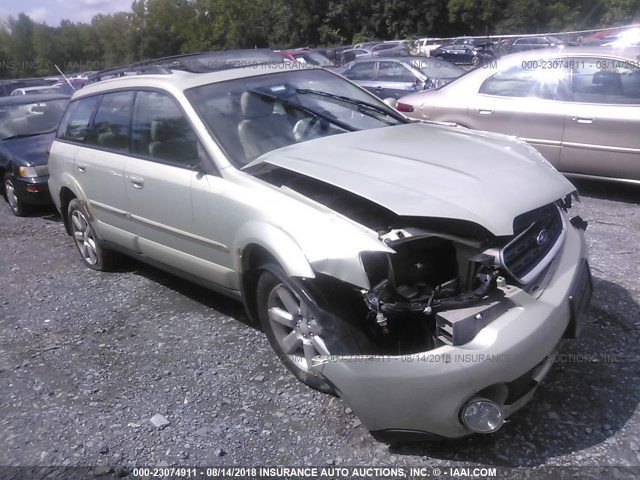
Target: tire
93,254
18,208
295,334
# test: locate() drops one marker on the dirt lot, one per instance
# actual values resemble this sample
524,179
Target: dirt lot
87,358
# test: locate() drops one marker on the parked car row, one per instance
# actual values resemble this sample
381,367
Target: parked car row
351,232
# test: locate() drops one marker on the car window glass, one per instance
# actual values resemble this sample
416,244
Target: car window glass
75,123
161,131
394,72
111,125
605,80
361,71
250,117
543,78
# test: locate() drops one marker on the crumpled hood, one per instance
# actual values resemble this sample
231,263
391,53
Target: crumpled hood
429,170
29,150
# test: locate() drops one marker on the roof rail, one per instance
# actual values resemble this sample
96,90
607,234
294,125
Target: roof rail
139,68
202,62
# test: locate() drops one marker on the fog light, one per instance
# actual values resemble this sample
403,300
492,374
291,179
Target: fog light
482,416
32,188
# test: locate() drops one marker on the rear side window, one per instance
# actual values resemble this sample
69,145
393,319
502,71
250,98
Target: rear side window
605,81
394,72
74,126
161,131
530,79
111,124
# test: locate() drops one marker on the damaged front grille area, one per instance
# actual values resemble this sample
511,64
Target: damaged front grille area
539,235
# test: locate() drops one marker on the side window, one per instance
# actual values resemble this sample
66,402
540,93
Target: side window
361,71
161,131
605,81
536,78
75,123
111,124
394,72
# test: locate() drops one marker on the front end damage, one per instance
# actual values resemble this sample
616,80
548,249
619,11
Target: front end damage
492,343
460,324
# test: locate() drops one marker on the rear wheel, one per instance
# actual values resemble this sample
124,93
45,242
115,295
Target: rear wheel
18,208
295,333
93,254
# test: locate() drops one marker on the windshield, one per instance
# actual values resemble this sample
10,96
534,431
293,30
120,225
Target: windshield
252,116
31,118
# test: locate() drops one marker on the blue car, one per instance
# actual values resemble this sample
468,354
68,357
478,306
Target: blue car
27,127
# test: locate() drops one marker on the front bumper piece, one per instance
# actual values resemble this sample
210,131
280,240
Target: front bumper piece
420,396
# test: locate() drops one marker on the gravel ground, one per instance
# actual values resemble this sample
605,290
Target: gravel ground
88,358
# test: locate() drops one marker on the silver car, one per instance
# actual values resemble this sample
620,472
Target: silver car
416,270
577,106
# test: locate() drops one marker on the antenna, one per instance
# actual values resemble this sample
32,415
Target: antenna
65,77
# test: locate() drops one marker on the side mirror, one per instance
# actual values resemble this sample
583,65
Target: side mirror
392,102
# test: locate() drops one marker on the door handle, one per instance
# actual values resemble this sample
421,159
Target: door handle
586,120
485,111
138,182
82,167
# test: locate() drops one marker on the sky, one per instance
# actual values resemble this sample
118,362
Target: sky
52,11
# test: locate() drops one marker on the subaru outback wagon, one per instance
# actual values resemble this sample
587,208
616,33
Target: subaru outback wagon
424,273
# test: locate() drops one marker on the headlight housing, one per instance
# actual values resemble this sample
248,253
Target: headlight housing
35,171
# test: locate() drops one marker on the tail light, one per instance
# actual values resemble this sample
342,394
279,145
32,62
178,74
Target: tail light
404,107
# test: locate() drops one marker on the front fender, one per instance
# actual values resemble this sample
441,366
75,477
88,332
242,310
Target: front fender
285,250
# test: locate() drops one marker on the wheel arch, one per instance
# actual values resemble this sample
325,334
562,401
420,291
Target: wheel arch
260,244
66,195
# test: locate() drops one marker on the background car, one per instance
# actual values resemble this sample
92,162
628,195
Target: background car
307,57
391,48
8,86
624,39
27,126
424,46
395,77
350,54
533,43
464,54
578,106
39,90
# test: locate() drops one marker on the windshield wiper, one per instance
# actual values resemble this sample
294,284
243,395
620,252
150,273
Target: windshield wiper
289,103
25,135
361,104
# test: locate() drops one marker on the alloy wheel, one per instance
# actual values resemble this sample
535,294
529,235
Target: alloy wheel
295,328
12,197
84,237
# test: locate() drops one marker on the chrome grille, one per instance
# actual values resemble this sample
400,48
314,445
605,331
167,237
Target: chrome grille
539,235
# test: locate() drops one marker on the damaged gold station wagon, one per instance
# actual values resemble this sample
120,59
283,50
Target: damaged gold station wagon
422,272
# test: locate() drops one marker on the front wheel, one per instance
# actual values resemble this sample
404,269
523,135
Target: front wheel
93,254
295,333
17,206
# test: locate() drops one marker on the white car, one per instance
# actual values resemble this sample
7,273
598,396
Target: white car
419,271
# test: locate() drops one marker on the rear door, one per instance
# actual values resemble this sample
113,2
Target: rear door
602,120
526,101
364,74
395,80
99,163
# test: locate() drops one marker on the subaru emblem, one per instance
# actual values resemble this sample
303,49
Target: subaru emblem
543,237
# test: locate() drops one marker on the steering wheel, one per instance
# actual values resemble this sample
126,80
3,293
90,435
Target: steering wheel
305,128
